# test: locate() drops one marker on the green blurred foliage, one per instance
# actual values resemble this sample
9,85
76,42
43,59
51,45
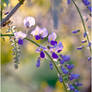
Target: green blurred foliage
3,4
6,52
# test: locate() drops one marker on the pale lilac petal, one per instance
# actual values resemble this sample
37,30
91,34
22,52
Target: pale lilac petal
59,47
20,35
36,31
29,22
43,32
52,36
38,50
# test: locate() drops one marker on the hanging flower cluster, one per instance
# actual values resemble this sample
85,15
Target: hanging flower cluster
54,49
87,3
83,41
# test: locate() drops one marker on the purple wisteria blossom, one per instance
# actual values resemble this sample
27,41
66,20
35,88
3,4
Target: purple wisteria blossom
68,1
20,36
51,65
80,48
52,37
75,31
54,49
39,33
38,62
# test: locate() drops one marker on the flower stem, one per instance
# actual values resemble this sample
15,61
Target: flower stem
83,23
6,35
45,53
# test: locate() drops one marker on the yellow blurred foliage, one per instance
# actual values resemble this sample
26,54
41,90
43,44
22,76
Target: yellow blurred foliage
44,84
59,87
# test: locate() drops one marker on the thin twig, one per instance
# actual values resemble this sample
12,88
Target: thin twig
3,21
83,23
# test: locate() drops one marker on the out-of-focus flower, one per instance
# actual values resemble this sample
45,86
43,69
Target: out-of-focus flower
60,79
90,8
89,44
71,87
38,62
76,90
85,34
86,2
68,1
74,76
52,37
89,58
20,35
65,57
70,66
61,61
83,41
29,22
51,65
75,31
78,84
80,48
64,70
39,33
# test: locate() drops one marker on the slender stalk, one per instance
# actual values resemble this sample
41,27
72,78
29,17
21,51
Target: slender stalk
83,23
46,54
6,35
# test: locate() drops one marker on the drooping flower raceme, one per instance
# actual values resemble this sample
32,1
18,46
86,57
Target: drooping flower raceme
55,48
83,41
29,22
87,3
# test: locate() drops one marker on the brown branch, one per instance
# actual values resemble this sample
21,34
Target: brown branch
11,13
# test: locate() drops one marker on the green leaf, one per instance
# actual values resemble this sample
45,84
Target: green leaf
5,1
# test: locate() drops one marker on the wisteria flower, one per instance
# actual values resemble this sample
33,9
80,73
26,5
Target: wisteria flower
52,36
74,76
39,33
75,31
68,1
41,50
51,65
20,36
86,2
54,55
29,22
38,62
57,48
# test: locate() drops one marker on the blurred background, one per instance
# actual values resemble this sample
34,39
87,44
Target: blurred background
57,16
